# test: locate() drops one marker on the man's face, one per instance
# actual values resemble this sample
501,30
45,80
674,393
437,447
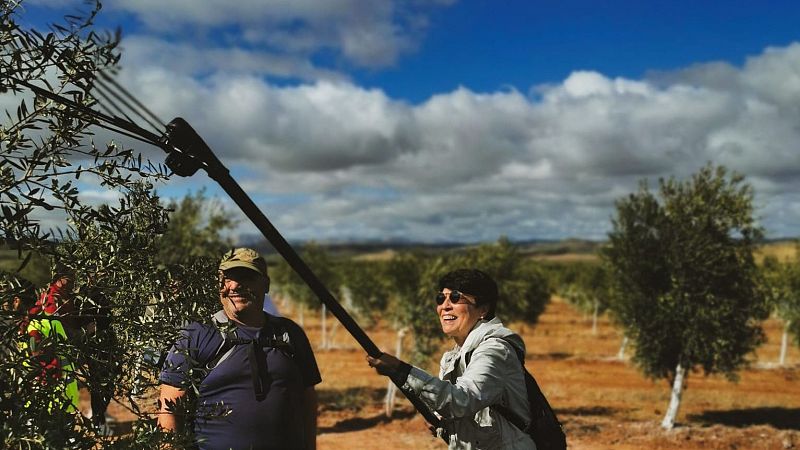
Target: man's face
10,305
242,291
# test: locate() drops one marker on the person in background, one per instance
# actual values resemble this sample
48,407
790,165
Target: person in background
99,343
52,321
257,366
481,380
18,296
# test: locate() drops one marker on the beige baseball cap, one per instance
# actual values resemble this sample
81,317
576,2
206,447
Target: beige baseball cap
244,257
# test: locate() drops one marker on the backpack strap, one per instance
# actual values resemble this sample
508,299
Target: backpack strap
505,411
272,334
229,340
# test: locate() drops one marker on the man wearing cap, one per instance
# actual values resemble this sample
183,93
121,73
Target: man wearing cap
254,372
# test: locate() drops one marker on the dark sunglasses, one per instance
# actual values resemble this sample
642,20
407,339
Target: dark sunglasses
241,274
455,297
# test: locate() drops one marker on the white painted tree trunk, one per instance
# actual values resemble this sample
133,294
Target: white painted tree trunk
324,335
332,334
621,353
784,342
347,297
675,398
391,389
594,316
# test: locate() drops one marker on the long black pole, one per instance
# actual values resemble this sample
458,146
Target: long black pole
187,152
181,136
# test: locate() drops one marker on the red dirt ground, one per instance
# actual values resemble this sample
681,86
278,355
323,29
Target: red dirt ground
603,402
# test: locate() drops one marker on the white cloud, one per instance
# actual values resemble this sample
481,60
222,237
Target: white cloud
552,167
188,59
367,33
329,159
100,197
351,162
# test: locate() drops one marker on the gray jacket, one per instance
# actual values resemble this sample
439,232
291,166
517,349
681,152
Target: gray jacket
494,376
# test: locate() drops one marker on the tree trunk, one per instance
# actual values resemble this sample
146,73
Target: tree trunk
347,297
324,334
300,315
594,316
392,389
621,353
784,342
675,398
332,334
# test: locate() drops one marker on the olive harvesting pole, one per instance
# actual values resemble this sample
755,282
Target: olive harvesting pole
186,154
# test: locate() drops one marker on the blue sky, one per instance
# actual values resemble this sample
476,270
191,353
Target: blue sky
446,120
485,46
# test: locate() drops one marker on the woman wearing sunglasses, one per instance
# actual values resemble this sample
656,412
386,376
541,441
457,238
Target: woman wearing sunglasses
481,381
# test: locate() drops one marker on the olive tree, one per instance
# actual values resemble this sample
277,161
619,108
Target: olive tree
686,284
523,288
366,288
136,306
590,290
410,279
196,229
782,281
290,285
47,159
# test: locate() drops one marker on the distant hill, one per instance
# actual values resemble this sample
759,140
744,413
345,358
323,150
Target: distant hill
567,246
566,250
384,250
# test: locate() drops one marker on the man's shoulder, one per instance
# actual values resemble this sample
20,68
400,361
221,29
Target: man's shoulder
200,333
284,322
297,337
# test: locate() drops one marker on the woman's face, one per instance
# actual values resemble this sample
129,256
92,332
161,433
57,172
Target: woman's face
457,317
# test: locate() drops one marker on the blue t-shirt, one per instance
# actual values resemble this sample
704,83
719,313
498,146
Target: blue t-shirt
276,422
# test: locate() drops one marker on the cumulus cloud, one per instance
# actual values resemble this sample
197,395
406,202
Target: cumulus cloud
334,160
329,159
370,33
186,58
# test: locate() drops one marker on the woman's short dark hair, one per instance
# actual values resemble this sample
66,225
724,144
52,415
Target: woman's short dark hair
473,282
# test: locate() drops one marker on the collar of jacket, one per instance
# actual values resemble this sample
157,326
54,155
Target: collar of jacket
482,330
